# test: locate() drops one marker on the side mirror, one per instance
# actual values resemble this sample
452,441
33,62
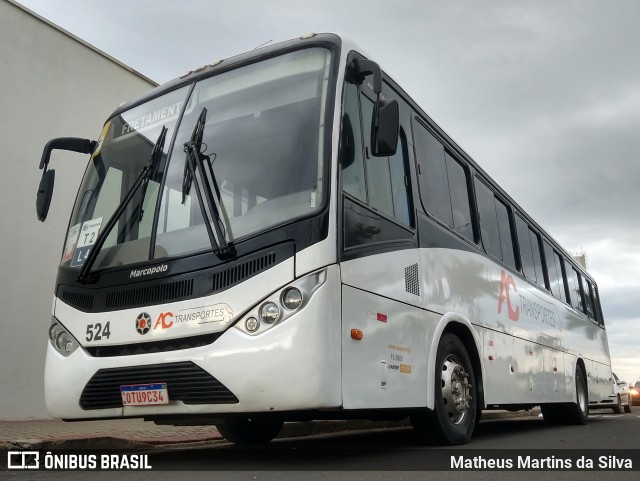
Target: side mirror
45,189
45,192
385,126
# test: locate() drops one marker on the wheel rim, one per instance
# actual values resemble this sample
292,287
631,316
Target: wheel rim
456,389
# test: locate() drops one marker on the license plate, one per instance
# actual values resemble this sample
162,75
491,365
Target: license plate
144,394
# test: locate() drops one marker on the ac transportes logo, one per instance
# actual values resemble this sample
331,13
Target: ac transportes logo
215,313
507,283
519,304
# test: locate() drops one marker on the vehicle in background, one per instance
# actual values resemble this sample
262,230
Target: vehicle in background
634,394
621,391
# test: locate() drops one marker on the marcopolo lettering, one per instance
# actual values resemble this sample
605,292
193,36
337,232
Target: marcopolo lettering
149,271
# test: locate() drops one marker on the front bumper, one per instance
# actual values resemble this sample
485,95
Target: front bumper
295,365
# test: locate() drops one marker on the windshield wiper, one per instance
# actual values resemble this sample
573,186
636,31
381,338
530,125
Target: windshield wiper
211,211
143,179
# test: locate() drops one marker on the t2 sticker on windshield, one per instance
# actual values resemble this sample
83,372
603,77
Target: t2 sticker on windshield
88,235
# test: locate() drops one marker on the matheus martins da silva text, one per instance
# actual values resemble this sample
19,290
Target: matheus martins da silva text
545,463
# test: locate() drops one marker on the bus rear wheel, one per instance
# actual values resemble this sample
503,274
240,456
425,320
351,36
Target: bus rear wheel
578,412
453,418
570,413
254,430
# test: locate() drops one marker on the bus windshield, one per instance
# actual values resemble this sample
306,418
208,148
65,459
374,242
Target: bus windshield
262,141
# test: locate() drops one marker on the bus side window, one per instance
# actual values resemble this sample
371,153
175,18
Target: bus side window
460,205
526,253
588,299
576,296
561,277
506,236
381,182
597,306
537,259
488,219
386,177
444,184
352,159
552,272
432,174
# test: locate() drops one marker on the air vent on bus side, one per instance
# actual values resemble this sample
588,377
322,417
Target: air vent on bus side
412,280
237,273
78,299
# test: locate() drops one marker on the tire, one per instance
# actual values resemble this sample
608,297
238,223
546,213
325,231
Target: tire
456,401
258,430
617,409
627,407
578,412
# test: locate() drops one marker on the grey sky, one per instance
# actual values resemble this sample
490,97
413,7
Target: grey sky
543,94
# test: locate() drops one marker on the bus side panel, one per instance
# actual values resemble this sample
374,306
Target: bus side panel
387,367
584,337
499,379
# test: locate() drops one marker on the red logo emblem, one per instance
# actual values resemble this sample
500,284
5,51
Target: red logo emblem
507,282
162,321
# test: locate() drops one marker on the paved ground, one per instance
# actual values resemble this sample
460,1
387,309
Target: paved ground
121,433
52,432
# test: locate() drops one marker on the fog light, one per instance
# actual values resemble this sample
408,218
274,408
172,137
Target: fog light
252,324
53,332
62,340
292,298
269,313
68,347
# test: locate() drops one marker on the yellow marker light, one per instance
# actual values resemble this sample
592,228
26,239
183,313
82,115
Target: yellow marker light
357,334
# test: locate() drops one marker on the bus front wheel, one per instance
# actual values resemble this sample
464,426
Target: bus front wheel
254,430
455,409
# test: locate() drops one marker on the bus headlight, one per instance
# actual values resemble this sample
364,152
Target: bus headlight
252,324
269,313
61,339
292,298
282,304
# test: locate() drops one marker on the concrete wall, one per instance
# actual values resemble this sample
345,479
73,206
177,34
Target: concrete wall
51,85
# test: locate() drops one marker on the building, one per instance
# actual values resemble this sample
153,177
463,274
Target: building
52,84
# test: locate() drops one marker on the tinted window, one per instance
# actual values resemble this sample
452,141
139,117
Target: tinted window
537,259
588,298
574,290
399,170
552,273
352,159
526,253
381,182
597,306
559,269
504,229
488,219
377,168
461,210
432,174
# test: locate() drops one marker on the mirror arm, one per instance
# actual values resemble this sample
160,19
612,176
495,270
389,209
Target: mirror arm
74,144
358,69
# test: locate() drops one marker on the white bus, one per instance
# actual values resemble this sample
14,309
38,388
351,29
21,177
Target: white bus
285,235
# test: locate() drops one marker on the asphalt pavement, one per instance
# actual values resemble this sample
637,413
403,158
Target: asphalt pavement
127,433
